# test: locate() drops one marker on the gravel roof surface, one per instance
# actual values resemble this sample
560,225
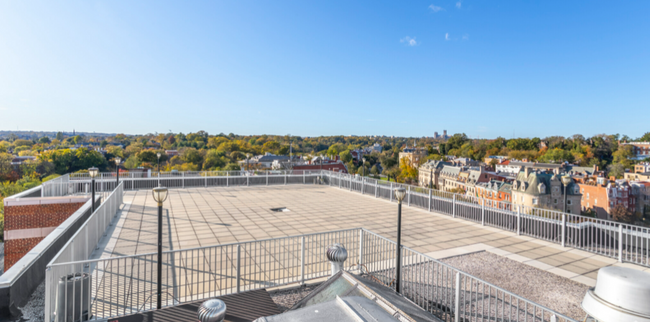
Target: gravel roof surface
34,310
285,299
555,292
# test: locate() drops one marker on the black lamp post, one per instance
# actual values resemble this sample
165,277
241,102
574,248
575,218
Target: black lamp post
158,155
93,173
159,195
400,193
363,167
248,156
117,170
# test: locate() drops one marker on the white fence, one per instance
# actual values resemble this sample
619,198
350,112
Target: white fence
82,243
126,285
625,242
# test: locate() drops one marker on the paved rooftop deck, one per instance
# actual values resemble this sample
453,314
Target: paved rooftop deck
209,216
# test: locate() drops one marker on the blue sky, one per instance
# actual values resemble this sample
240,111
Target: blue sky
404,68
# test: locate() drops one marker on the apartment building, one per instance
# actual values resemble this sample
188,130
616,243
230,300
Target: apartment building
642,167
412,155
543,190
429,173
496,193
630,176
641,191
602,196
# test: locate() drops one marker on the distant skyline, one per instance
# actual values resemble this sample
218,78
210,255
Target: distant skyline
313,68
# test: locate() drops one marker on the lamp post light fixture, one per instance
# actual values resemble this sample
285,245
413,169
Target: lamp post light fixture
93,173
158,155
400,193
159,195
566,180
117,170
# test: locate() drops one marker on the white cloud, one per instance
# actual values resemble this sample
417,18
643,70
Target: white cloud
435,8
409,41
458,4
465,37
447,36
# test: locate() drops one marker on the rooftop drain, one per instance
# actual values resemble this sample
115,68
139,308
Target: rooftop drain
281,209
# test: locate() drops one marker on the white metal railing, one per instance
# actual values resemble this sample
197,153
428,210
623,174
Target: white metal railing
625,242
82,244
126,285
595,235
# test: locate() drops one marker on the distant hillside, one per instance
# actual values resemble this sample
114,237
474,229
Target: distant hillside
39,134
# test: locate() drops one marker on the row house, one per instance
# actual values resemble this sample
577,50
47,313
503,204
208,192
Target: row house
602,196
429,173
645,176
641,191
495,193
448,179
544,190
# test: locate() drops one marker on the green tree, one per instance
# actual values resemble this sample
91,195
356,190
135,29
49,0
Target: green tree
374,170
191,155
44,139
616,170
59,136
132,162
346,156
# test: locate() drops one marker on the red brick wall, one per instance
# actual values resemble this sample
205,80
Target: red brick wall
32,216
38,216
15,249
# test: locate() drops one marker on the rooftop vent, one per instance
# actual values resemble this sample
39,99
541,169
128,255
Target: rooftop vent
621,294
212,311
337,254
281,209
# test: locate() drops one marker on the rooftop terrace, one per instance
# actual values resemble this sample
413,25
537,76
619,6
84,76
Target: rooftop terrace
200,217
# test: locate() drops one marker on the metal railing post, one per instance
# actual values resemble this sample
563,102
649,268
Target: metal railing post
518,221
457,299
620,243
453,206
267,178
430,199
302,260
183,178
376,186
360,250
350,179
363,181
391,192
339,180
285,177
483,214
227,175
408,193
238,268
303,177
206,179
563,230
247,178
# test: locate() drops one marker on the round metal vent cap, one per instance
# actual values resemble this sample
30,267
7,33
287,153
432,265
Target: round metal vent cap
621,294
337,253
212,311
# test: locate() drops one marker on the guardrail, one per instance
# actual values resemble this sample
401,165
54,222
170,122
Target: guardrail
82,244
119,286
625,242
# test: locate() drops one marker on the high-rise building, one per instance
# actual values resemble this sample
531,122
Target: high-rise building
444,134
435,135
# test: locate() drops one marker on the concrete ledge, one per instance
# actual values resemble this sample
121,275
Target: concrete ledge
43,201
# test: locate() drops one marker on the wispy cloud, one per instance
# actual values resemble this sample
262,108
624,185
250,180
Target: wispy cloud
459,5
447,36
409,41
465,37
435,8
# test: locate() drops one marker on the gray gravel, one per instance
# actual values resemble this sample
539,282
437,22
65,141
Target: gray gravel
34,310
555,292
285,299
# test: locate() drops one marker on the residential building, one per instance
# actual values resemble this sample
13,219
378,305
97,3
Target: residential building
641,150
171,153
264,161
641,191
466,162
331,165
642,167
630,176
412,155
494,193
376,148
448,179
602,196
429,173
498,158
544,190
16,161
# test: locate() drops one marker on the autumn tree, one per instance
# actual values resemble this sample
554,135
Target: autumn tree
620,213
